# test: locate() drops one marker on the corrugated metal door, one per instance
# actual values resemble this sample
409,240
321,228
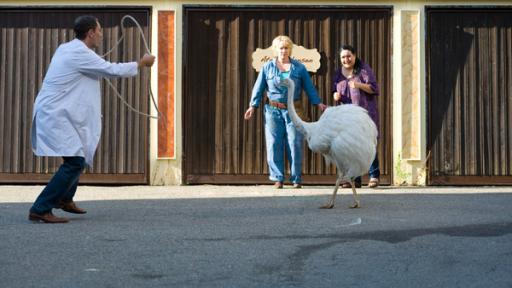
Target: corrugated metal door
469,64
219,145
28,39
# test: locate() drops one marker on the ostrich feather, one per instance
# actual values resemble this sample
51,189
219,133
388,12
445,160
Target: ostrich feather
345,135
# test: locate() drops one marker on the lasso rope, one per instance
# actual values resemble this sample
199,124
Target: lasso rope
148,52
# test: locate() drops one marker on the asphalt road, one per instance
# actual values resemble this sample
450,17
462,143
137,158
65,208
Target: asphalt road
255,236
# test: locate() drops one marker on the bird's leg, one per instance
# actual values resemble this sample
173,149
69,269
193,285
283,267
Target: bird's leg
356,199
330,204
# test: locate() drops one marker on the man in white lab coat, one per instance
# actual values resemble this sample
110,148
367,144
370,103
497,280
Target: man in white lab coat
67,114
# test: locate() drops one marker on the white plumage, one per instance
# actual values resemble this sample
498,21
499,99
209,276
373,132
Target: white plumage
345,135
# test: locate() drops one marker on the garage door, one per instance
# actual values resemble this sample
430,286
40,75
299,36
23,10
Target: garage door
469,60
219,145
28,39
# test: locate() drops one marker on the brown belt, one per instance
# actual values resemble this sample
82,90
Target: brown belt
277,104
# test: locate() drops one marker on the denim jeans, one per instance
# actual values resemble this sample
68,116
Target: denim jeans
62,186
374,171
280,136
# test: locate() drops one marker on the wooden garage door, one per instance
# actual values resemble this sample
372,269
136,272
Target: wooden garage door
469,62
219,145
28,39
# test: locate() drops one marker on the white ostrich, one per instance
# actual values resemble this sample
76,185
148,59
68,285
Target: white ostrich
345,135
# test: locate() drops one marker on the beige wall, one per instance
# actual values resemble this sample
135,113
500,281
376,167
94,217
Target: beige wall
409,111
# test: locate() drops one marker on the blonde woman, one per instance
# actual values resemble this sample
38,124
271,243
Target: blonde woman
280,133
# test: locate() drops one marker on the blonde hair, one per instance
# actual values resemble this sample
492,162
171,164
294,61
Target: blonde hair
278,39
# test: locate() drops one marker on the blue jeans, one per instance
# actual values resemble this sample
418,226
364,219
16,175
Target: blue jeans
281,135
374,171
62,186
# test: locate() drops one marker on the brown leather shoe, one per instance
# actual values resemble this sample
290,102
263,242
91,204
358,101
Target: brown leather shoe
278,185
71,207
46,218
348,185
297,185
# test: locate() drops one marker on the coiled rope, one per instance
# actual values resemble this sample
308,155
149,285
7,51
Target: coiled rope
148,52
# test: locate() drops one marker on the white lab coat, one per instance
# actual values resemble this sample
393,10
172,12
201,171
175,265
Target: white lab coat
67,112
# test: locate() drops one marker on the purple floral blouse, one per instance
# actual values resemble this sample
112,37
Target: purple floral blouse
357,96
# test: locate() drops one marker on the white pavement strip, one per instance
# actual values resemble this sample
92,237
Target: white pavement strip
27,194
353,222
357,221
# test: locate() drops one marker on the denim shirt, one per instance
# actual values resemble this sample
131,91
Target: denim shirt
268,79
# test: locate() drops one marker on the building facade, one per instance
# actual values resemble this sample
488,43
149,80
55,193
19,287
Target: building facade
445,71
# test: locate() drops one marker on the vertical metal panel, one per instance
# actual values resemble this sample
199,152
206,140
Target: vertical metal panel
470,97
219,146
28,40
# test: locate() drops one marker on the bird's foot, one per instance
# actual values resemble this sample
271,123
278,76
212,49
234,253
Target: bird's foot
355,205
327,206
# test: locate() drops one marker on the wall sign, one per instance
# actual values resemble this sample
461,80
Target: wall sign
309,57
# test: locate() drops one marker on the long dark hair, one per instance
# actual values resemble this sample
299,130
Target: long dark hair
357,65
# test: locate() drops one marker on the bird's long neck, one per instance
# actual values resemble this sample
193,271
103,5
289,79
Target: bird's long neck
299,124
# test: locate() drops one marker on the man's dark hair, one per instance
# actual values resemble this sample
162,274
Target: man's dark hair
83,24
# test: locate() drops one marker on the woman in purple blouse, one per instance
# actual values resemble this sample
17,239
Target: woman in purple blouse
355,83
